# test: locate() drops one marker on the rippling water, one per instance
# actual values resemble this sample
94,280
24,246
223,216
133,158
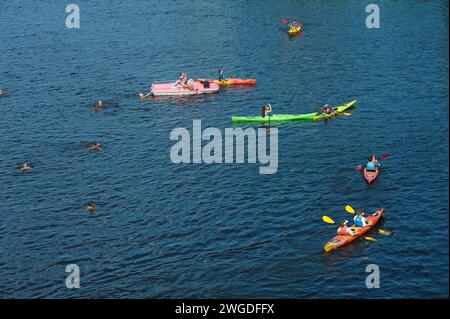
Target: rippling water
167,230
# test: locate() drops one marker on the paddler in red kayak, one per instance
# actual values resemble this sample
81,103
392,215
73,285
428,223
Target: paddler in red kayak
345,230
372,162
267,108
360,220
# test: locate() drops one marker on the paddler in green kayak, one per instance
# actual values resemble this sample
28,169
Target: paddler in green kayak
267,108
327,110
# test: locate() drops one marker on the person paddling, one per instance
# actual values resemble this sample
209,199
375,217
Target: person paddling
372,163
267,108
360,220
221,76
345,230
328,110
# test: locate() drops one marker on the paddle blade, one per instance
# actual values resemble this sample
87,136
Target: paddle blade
328,220
384,232
359,168
383,156
346,114
284,21
349,209
369,238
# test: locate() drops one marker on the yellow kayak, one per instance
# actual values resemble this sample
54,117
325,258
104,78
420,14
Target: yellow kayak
295,30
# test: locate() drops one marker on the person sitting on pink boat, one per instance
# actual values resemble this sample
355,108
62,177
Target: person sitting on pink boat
190,85
182,80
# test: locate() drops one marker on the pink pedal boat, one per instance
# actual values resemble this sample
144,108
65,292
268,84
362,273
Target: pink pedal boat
170,89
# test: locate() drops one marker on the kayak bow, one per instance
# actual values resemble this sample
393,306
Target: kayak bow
294,30
370,176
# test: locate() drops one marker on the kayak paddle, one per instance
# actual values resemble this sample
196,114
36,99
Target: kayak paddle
384,232
142,96
284,21
383,156
359,168
369,238
346,114
328,220
350,209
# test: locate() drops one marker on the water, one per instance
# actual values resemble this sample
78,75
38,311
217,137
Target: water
167,230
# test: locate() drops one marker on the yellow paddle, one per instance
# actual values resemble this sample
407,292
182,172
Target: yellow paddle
346,114
369,238
384,232
328,220
349,209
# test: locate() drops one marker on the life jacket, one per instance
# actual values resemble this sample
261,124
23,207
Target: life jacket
360,221
371,166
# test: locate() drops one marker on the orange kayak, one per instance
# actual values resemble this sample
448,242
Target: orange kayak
370,176
341,240
231,81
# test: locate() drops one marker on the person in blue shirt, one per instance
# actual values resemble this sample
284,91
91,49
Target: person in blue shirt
221,77
360,220
372,163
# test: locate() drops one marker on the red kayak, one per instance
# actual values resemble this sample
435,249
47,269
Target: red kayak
341,240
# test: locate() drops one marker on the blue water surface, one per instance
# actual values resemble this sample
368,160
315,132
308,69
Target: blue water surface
164,230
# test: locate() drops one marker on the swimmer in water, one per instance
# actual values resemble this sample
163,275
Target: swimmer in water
2,93
98,105
96,146
25,167
90,206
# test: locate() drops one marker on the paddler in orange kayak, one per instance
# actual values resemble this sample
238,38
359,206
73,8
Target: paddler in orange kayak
345,230
221,77
360,220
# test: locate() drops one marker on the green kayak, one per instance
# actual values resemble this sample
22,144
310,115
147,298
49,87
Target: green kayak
291,117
